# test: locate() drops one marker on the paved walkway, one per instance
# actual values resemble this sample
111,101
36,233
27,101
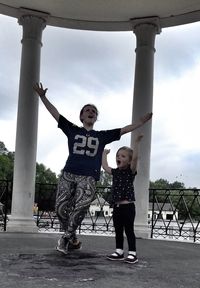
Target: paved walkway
29,260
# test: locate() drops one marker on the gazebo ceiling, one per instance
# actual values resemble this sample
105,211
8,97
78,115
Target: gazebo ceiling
105,15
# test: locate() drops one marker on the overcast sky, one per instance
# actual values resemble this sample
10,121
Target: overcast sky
80,67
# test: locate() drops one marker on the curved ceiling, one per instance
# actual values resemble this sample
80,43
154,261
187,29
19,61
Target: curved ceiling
105,15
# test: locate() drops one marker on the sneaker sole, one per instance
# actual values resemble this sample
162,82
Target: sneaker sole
133,262
111,259
61,251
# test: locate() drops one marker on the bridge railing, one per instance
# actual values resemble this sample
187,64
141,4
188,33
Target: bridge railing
5,202
173,213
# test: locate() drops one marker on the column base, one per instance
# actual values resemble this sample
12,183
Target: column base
142,231
21,225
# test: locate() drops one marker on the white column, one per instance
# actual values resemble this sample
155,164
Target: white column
142,103
21,219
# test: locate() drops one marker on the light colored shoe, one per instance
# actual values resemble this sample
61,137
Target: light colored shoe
62,245
132,259
115,257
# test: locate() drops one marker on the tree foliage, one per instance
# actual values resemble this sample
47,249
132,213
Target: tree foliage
105,179
164,184
185,201
43,175
6,166
3,149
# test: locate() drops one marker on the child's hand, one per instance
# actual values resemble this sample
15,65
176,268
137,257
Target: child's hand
106,151
146,117
39,89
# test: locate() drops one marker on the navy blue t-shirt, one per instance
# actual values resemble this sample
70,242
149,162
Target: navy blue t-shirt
85,147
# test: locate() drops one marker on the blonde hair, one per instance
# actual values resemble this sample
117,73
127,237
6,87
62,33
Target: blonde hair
128,149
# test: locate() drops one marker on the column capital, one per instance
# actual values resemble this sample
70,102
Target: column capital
32,26
151,21
145,30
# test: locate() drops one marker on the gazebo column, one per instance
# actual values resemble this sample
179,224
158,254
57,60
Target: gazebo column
145,31
21,219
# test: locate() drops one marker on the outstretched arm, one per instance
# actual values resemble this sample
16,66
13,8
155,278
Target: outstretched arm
105,161
42,93
136,145
142,121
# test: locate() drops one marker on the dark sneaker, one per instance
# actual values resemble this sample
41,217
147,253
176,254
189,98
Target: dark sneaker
115,256
62,245
77,245
132,259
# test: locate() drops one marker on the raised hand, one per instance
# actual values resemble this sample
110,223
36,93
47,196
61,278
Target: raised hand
106,151
40,90
146,117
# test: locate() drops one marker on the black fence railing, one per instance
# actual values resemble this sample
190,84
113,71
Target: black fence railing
5,202
98,219
173,213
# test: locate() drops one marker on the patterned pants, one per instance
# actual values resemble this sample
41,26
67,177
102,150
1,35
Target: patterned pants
74,196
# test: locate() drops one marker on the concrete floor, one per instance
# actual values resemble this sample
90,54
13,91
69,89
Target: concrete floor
29,260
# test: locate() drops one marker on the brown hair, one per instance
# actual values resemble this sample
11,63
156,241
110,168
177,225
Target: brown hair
92,105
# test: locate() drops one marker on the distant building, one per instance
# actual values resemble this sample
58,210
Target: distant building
100,207
162,211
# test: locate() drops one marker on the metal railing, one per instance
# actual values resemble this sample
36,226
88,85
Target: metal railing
5,202
173,213
98,219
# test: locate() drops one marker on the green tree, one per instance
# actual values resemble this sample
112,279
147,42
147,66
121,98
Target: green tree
104,186
160,184
105,179
6,166
45,191
177,185
45,175
3,149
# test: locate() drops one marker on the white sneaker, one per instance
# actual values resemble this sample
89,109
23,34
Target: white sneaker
62,245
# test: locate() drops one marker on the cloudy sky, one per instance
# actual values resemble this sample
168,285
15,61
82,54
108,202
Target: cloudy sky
80,67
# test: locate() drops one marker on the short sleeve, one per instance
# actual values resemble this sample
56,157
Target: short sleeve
65,125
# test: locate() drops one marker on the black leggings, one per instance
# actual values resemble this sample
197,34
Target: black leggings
123,219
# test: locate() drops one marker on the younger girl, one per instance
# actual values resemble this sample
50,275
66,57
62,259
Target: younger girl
123,198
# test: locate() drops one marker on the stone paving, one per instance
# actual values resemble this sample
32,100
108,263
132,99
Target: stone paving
30,260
